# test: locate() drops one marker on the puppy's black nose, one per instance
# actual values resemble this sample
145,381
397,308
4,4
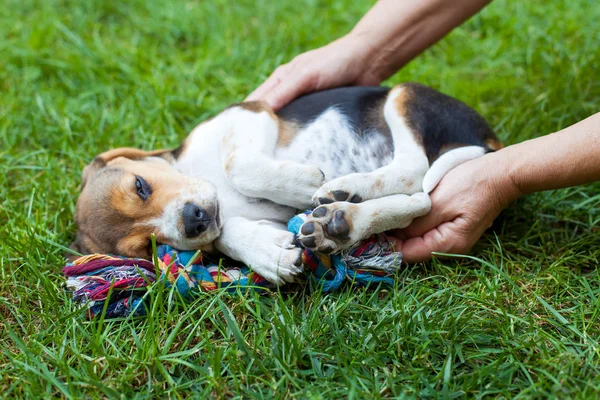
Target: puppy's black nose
195,220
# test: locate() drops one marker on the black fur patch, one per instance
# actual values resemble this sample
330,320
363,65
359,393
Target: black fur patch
357,103
442,122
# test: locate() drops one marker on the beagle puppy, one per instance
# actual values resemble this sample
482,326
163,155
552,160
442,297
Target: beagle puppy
367,157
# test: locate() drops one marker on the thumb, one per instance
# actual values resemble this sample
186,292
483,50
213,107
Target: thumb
263,89
426,223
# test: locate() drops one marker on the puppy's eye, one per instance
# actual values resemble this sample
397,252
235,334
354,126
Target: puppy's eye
142,188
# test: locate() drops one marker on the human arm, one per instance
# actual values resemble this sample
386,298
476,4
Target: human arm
391,34
470,197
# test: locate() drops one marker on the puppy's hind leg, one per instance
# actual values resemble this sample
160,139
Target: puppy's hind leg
448,161
404,175
337,226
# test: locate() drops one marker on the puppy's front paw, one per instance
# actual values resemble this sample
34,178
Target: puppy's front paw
277,259
298,184
329,228
283,271
347,188
308,181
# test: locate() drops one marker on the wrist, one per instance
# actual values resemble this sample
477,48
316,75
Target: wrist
394,32
359,43
384,51
503,176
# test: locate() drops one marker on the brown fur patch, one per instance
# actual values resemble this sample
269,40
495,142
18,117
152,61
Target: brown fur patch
127,152
401,99
91,169
402,103
408,182
98,230
130,153
257,107
286,131
451,146
494,144
111,217
163,184
378,185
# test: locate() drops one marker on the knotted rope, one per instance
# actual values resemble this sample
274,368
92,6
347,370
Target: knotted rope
116,285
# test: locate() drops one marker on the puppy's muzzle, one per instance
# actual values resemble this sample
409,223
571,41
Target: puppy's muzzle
196,220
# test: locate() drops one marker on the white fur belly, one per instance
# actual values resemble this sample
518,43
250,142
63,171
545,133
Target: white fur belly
337,148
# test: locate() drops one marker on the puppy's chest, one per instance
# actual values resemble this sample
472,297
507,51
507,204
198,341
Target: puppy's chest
338,147
203,160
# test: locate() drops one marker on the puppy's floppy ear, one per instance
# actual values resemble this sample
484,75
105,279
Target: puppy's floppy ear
133,154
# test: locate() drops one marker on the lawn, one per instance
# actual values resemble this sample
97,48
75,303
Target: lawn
521,318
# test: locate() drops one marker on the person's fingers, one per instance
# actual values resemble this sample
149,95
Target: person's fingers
272,81
417,249
288,89
260,92
426,223
448,237
414,250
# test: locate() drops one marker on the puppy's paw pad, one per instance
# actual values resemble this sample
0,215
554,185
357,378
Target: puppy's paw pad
332,192
328,229
338,227
323,200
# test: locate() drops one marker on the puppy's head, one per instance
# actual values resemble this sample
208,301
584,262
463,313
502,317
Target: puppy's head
128,194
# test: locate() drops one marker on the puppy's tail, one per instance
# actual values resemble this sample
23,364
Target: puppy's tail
448,161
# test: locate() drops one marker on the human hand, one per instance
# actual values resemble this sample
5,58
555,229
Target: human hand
391,34
340,63
464,205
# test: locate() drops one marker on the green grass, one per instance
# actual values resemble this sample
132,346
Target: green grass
77,77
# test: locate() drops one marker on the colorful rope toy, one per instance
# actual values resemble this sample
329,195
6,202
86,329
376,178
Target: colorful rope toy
115,285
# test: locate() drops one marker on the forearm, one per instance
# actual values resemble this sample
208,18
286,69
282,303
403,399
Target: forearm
396,31
566,158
